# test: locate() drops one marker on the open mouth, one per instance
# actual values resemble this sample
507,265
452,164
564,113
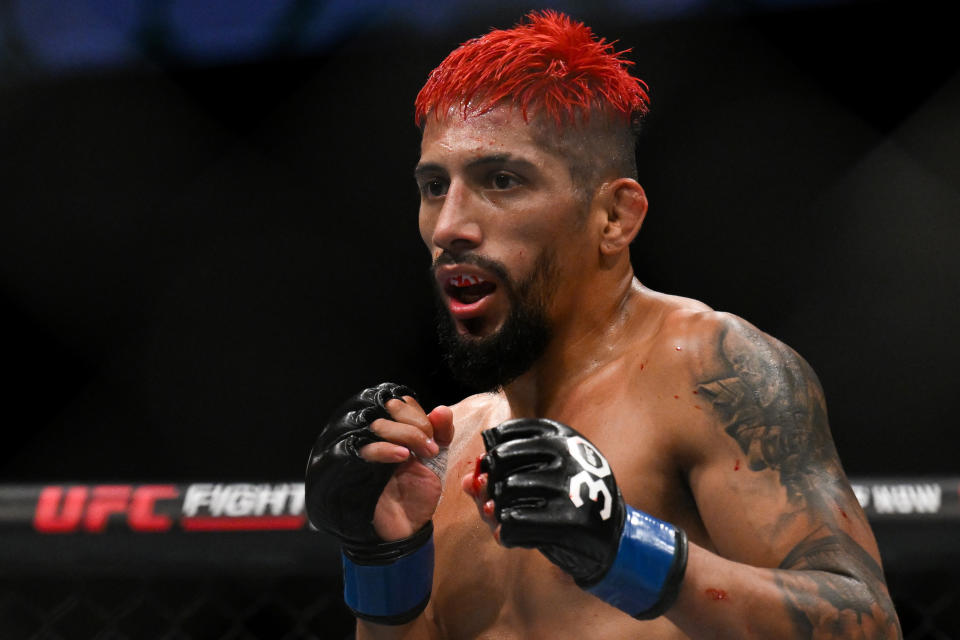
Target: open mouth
468,289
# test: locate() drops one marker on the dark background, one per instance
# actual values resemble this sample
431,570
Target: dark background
202,253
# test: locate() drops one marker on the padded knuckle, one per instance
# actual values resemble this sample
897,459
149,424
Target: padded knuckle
363,417
386,391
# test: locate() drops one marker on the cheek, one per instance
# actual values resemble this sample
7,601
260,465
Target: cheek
426,228
524,262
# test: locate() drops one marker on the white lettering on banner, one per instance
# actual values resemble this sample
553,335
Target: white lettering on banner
863,495
240,500
297,498
273,500
218,500
906,498
198,495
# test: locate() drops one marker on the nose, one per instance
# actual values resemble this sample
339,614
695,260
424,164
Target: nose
457,226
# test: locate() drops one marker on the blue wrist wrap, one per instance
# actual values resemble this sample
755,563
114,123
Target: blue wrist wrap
645,575
392,593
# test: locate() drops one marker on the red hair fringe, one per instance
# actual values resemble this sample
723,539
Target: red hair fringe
549,63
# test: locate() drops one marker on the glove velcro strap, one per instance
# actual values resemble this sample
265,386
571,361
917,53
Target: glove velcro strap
645,576
389,592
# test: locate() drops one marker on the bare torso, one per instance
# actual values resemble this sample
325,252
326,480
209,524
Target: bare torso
708,424
635,409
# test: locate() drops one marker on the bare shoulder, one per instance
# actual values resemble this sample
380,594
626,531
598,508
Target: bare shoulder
754,386
707,342
694,335
764,433
764,448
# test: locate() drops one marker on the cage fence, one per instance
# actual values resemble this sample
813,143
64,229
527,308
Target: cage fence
238,562
188,608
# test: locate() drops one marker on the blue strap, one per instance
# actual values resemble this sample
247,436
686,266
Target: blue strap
646,559
389,591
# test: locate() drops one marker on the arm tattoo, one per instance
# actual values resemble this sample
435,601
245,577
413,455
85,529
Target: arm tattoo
838,572
770,402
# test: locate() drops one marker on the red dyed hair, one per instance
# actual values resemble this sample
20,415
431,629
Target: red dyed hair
549,63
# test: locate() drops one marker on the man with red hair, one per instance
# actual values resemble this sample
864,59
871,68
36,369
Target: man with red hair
647,467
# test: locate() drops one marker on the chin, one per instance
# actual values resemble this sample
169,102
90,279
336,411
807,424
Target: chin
478,329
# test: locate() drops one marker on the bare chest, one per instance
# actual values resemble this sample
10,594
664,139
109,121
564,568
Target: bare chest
483,590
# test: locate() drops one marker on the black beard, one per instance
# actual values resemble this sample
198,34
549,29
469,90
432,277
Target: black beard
485,364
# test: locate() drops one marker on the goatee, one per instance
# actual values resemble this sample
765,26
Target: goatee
491,362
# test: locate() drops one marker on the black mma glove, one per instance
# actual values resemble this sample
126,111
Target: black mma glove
554,491
384,582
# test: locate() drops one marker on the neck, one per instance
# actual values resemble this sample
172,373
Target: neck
593,334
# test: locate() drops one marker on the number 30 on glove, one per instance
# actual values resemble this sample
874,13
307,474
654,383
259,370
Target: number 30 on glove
554,491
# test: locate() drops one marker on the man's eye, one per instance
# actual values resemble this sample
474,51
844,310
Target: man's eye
504,181
435,188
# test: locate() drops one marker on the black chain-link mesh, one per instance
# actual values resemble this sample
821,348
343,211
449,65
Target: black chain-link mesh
172,609
296,608
928,605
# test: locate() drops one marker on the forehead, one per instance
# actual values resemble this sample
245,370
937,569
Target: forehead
500,130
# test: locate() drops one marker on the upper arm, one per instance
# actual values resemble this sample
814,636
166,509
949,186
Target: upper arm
767,479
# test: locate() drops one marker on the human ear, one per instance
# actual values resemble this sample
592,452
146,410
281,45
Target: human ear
626,206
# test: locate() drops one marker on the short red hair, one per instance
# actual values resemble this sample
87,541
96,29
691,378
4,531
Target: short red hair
549,63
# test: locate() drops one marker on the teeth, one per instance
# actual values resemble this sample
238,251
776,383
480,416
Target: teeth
464,280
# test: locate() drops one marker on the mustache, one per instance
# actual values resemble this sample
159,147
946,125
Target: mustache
487,264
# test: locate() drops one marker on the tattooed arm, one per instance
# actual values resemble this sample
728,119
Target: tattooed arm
795,557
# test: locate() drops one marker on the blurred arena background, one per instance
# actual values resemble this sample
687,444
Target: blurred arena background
208,239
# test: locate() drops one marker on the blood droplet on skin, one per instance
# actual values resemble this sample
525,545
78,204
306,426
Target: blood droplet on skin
717,594
695,392
477,486
676,397
736,466
844,514
642,365
677,347
488,508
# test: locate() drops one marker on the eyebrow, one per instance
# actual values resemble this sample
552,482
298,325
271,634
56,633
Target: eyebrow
431,168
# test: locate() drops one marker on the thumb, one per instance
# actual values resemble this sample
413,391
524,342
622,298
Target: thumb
442,420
